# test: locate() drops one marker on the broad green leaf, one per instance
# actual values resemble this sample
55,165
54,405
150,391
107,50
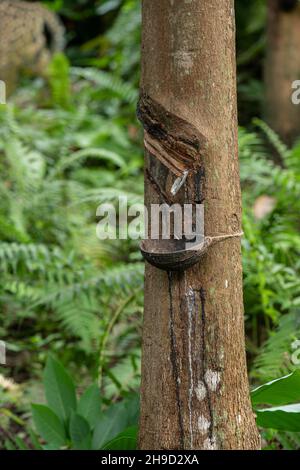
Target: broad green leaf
48,425
80,432
126,440
59,389
132,406
282,391
112,423
283,418
89,405
49,447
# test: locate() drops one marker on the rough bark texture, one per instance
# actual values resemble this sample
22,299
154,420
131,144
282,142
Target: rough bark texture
283,67
195,392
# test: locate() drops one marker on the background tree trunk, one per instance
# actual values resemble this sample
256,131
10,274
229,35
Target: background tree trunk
195,392
283,67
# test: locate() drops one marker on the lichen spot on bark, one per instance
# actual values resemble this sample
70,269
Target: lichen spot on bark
184,60
239,419
210,444
212,379
203,424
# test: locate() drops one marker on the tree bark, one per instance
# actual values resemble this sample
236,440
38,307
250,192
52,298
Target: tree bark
282,67
194,392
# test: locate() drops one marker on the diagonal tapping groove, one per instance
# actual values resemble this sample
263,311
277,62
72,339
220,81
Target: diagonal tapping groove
172,140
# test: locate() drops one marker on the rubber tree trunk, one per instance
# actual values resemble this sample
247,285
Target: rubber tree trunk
282,67
195,392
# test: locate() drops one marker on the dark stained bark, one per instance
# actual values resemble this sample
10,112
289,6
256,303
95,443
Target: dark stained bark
282,67
195,392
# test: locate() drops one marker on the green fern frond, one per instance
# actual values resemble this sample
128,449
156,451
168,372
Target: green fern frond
59,81
124,376
108,81
274,359
80,320
274,139
120,280
78,158
35,257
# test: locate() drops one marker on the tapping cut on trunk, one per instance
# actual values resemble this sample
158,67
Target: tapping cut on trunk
174,141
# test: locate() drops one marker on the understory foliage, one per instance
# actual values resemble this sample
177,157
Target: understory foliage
64,152
79,423
271,249
68,144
